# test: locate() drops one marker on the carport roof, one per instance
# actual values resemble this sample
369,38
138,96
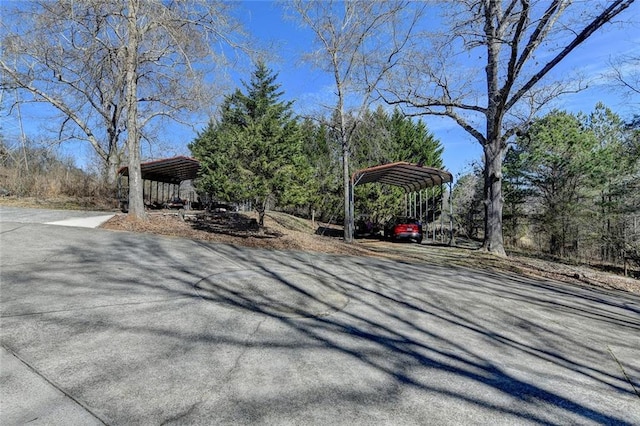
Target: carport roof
167,170
411,177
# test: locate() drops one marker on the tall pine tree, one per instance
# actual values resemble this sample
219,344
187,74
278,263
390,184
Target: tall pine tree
559,162
253,152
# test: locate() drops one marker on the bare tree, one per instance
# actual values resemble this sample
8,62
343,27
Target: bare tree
485,69
358,43
625,74
113,69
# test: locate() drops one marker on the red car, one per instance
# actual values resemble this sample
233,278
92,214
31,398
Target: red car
403,228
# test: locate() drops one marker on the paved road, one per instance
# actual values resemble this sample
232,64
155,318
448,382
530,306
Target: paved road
102,327
76,218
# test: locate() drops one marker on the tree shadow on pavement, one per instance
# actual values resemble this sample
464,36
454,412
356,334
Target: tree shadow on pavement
264,336
403,309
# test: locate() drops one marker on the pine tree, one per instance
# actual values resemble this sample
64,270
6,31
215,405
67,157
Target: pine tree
612,168
254,152
324,185
382,138
576,177
413,142
559,161
517,193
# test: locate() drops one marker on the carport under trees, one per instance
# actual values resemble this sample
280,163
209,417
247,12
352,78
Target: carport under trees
418,182
161,180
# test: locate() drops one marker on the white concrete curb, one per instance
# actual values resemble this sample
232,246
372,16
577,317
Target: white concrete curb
83,222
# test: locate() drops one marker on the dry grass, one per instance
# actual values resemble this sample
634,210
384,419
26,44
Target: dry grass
61,203
284,232
236,229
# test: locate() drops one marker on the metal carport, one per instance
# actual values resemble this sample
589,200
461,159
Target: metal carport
161,178
413,178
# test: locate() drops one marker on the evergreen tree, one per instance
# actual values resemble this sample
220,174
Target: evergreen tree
413,142
382,138
217,150
516,195
324,188
254,152
612,169
372,144
559,163
577,178
629,186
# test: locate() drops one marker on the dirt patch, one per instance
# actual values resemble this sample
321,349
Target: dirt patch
237,229
522,265
285,232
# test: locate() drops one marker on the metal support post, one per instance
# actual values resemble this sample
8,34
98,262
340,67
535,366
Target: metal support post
426,218
413,204
451,240
405,205
433,203
441,214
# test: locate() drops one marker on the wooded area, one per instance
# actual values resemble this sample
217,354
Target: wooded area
552,182
294,165
572,188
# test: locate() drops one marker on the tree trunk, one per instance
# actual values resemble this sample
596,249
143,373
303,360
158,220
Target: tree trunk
136,201
493,201
261,207
554,244
348,232
493,145
111,166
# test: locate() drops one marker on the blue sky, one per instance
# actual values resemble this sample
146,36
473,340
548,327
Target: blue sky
305,85
263,21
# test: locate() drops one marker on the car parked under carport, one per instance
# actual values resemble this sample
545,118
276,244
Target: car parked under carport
403,228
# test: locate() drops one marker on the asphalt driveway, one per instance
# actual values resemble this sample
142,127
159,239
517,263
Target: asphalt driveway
103,327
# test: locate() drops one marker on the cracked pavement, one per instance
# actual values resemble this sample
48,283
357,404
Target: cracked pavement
103,327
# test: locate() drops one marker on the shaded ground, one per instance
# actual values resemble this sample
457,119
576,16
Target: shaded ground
136,328
285,232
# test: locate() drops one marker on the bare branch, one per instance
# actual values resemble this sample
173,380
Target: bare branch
61,106
73,55
501,37
603,18
625,73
